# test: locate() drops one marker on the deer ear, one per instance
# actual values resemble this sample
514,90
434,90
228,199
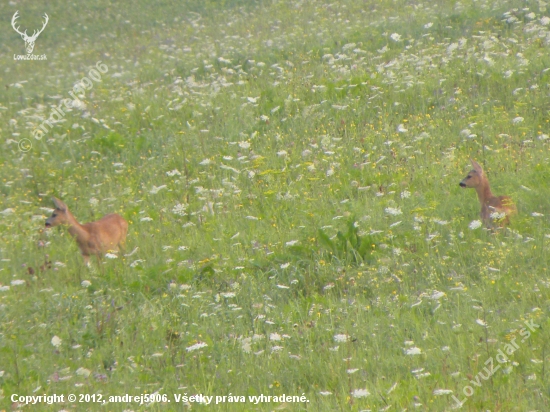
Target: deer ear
59,204
476,166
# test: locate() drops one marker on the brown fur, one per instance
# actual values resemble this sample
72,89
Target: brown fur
490,203
94,238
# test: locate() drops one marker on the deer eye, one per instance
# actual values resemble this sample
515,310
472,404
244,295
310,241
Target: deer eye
54,215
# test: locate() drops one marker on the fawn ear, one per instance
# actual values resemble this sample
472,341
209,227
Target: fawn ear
59,204
476,166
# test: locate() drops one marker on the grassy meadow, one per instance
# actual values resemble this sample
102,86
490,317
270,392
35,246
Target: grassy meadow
289,171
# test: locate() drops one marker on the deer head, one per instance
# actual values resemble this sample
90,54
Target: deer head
59,215
475,177
29,40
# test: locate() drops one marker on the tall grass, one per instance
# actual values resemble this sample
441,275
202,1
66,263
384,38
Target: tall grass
290,174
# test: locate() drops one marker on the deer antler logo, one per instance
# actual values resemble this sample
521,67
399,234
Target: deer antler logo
29,40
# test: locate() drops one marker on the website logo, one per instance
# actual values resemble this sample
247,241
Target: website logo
29,40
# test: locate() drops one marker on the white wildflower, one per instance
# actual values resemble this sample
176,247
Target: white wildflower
475,224
198,345
413,351
497,215
156,189
395,37
179,209
174,172
136,263
393,211
437,295
83,372
360,393
56,341
275,337
517,120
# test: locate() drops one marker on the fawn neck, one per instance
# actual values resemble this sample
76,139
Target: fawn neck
76,229
484,191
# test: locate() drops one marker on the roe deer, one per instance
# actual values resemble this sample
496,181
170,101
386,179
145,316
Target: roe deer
94,238
493,209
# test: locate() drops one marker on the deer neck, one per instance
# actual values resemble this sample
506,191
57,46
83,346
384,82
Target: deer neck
76,229
484,192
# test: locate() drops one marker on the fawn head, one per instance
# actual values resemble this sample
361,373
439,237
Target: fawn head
59,215
474,177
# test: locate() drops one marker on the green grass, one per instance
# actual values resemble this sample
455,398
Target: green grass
290,174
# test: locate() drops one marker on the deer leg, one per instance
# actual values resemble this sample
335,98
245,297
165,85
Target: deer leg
99,263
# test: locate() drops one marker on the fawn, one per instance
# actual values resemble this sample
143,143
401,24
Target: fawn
94,238
493,208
